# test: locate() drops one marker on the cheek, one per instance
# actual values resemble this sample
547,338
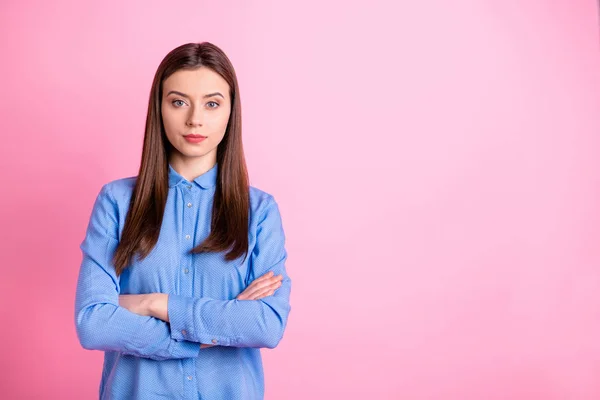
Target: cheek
169,121
222,121
220,129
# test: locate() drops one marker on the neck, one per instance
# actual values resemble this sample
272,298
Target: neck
192,167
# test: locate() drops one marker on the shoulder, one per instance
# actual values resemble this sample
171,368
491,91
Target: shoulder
259,198
114,197
119,190
262,202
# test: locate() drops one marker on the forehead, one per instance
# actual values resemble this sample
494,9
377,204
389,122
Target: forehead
196,82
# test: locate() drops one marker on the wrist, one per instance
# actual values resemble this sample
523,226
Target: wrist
157,305
150,304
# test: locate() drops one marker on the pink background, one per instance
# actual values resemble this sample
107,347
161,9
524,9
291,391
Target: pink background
436,164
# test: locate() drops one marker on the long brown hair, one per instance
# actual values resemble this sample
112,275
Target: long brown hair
231,203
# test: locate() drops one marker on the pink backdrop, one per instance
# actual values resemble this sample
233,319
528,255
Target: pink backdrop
436,165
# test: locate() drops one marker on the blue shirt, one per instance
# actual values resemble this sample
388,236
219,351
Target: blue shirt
147,358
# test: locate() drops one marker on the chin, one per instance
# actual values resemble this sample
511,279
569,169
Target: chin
197,153
193,153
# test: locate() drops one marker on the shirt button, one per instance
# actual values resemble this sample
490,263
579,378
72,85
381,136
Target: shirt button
189,204
186,271
214,341
189,186
187,236
190,377
184,332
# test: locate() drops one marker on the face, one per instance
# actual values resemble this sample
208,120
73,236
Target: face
195,102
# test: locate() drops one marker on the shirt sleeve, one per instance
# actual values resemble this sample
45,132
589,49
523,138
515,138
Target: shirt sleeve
100,322
241,323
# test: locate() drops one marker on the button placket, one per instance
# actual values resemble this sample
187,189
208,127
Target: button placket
186,287
188,237
189,205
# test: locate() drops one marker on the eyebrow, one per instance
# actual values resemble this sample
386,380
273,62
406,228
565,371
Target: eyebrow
186,96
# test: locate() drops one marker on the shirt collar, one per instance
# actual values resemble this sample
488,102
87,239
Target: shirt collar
205,181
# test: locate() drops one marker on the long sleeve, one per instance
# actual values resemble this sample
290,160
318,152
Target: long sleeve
241,323
102,324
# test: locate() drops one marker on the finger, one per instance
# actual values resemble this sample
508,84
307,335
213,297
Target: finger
263,294
267,291
252,289
263,277
262,282
243,296
259,284
259,293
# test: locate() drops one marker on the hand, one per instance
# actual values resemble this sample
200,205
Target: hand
261,287
150,304
136,303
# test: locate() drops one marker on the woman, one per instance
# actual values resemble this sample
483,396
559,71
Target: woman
183,276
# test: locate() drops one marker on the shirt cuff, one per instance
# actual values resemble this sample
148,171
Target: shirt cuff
184,349
180,309
181,319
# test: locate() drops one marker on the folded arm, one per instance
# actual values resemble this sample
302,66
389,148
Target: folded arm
100,322
241,323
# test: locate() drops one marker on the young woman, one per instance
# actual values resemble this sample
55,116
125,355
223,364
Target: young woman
183,276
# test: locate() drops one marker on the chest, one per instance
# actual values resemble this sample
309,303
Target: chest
171,267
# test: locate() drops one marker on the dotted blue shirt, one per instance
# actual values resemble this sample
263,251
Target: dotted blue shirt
147,358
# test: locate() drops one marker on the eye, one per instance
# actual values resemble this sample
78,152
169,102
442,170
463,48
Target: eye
175,101
214,102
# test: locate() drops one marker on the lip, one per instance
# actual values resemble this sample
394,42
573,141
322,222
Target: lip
194,138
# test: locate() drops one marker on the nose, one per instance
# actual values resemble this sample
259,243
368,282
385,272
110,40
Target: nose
195,116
